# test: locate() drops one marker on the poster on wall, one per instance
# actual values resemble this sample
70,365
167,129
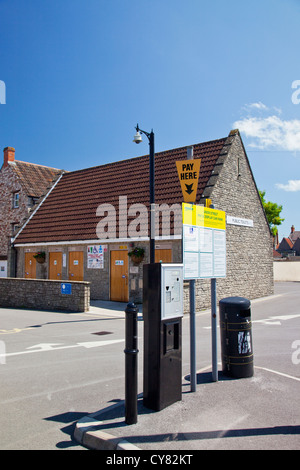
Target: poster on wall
95,256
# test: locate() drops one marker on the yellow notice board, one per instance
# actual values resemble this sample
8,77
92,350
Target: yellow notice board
187,213
201,216
188,174
204,242
210,218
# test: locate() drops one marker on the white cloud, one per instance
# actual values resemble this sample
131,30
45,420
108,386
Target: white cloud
271,132
293,185
259,105
260,108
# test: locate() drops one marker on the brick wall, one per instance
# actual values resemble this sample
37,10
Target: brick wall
44,295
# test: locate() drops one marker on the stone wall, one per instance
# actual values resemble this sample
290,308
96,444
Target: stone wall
9,184
44,295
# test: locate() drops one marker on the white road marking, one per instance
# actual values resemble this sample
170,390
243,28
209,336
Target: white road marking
278,373
42,347
276,320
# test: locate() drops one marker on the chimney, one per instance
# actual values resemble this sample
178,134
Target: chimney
9,155
292,229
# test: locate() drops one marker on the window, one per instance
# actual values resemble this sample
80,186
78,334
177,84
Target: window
31,201
238,167
14,228
16,199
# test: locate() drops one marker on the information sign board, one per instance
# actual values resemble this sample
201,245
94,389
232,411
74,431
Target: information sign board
66,288
204,242
95,256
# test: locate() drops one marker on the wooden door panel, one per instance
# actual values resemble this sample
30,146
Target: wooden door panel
55,266
30,266
163,256
119,276
76,265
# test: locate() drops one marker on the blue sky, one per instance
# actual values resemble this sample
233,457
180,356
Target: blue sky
80,74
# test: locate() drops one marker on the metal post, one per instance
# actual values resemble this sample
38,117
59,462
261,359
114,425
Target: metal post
138,139
152,196
193,377
214,330
131,363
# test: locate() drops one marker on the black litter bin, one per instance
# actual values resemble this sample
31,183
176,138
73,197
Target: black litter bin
236,337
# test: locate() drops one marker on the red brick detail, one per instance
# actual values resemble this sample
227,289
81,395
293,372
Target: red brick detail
9,155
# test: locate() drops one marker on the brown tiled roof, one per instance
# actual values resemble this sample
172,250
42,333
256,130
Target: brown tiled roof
69,211
276,254
289,242
36,179
285,244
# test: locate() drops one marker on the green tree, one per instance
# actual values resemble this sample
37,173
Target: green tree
272,211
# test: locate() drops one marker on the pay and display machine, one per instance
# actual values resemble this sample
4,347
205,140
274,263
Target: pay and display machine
162,312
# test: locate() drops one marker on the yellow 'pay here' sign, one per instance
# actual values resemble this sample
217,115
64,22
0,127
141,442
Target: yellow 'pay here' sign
188,173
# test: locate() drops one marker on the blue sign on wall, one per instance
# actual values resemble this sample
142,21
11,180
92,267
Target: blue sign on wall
66,288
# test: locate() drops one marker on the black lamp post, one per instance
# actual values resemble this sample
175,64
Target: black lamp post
137,139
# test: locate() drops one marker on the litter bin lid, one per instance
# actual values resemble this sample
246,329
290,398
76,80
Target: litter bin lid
240,302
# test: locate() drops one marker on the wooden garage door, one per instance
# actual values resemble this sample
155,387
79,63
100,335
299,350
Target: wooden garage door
76,265
119,276
30,266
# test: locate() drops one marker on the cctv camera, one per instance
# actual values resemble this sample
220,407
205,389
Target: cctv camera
137,138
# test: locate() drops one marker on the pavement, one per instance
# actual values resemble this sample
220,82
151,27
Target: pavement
256,413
